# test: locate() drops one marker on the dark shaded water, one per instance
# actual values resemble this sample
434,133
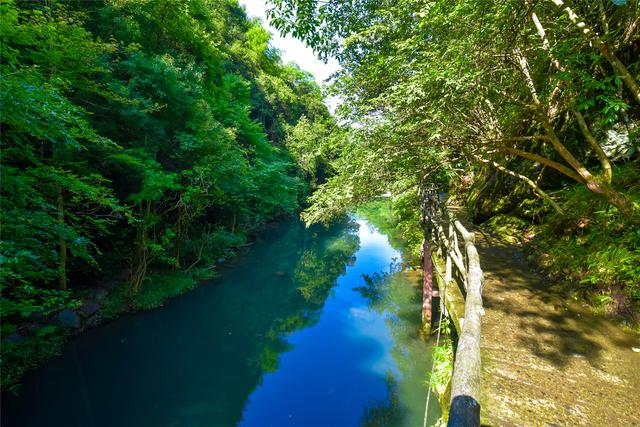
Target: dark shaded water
308,328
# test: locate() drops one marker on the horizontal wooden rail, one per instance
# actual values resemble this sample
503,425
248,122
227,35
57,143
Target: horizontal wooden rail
461,269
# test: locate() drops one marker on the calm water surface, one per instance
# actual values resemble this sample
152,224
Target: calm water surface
310,327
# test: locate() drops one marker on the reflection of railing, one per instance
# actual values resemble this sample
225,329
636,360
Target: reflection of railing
463,301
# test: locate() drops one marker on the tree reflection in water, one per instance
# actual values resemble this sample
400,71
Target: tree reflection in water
314,275
397,296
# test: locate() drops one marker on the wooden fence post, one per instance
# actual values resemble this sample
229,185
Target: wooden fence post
427,285
462,270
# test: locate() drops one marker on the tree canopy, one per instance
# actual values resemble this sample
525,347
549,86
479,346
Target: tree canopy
441,89
144,135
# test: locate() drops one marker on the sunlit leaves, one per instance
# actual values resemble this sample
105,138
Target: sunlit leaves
437,84
164,116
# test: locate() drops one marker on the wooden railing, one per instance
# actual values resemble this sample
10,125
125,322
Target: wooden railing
459,278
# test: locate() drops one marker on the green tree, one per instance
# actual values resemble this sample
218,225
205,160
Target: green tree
426,71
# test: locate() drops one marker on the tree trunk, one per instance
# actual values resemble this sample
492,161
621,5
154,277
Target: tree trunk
600,154
596,186
141,259
179,233
567,171
526,179
233,226
604,49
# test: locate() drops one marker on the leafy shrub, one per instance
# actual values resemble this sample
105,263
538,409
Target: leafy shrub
442,356
592,244
21,356
156,289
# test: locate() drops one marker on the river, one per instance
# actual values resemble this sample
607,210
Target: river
308,327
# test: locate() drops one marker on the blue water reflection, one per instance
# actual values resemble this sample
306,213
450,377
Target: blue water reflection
307,328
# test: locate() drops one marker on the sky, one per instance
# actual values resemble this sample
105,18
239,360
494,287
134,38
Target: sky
293,49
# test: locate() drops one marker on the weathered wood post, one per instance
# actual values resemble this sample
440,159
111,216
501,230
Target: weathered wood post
465,383
448,276
458,272
425,199
427,285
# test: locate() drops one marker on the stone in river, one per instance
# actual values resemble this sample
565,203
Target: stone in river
69,318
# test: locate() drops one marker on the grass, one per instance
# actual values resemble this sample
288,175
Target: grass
594,250
29,353
157,289
439,379
442,359
442,366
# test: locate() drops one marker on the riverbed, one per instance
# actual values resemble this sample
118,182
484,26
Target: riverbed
308,327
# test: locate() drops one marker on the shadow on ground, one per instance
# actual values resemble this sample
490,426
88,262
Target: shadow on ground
548,360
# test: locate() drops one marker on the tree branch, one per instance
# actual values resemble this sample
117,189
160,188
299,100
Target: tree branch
604,160
524,178
545,161
604,49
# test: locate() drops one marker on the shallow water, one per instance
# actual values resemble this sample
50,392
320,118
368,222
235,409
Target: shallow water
310,327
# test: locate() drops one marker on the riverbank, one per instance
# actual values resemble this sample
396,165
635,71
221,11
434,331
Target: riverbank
238,350
40,335
28,345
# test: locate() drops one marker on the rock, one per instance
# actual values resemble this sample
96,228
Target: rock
13,338
617,143
92,321
68,318
89,307
101,294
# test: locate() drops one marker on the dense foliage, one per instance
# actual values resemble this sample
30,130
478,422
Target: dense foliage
499,102
147,136
142,136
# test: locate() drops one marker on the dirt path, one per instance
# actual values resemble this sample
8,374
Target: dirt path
547,361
